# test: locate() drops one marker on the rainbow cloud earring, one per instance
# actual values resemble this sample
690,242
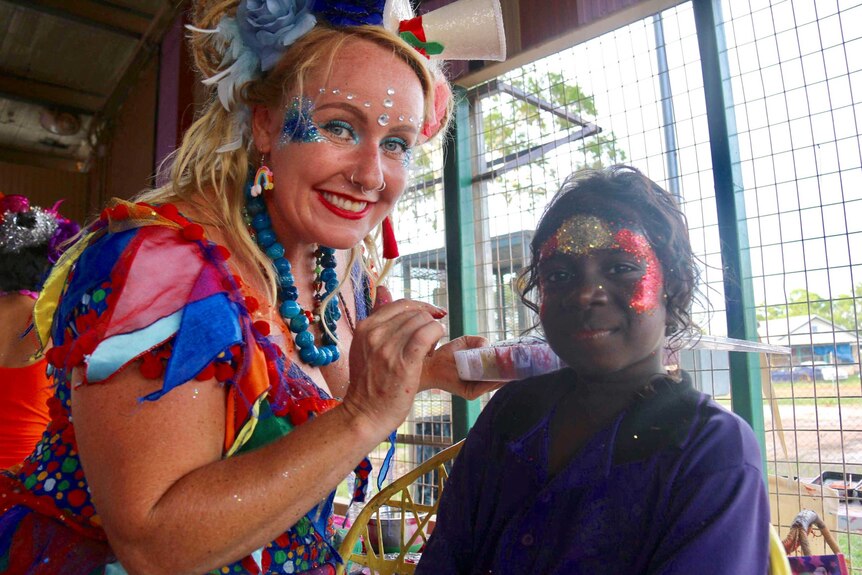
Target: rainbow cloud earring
262,180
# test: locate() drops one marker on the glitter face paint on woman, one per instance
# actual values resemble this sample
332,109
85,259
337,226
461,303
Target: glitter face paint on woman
299,126
583,233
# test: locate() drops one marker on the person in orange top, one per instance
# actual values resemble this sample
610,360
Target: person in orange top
29,244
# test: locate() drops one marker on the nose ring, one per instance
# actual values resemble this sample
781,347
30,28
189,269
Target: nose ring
380,189
363,189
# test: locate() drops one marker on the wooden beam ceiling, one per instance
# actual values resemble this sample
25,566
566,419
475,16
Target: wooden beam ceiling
146,48
50,95
14,156
112,18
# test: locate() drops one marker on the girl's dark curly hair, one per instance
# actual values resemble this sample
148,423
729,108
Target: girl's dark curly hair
623,192
24,269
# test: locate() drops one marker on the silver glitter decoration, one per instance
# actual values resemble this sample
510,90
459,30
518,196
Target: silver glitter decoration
383,119
401,118
336,91
366,104
388,103
351,96
391,91
26,230
322,91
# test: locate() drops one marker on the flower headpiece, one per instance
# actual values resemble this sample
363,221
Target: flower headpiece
23,226
254,40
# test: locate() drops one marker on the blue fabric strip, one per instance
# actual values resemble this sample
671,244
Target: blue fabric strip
208,327
384,467
115,352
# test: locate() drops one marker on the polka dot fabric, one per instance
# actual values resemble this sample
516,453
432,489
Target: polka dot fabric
47,516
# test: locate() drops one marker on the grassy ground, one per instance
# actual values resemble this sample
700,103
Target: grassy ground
846,392
851,547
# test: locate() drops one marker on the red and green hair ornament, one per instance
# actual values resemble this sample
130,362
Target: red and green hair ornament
462,30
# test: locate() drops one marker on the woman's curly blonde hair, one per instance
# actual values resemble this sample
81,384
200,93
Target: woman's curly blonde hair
213,181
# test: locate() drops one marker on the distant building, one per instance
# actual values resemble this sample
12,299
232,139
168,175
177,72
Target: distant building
810,339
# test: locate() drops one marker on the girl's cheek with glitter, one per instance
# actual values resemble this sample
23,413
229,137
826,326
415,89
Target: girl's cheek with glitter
647,293
299,126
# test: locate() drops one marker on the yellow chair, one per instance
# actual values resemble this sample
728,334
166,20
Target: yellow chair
778,564
396,505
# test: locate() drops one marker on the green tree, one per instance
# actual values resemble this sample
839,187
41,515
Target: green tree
512,123
844,311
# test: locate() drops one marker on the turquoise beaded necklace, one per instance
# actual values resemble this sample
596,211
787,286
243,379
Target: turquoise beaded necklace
296,318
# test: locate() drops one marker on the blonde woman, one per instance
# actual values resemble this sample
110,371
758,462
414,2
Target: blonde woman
217,369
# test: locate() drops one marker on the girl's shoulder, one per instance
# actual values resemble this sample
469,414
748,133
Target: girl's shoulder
520,405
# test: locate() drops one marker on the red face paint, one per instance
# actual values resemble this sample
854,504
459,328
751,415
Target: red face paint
649,289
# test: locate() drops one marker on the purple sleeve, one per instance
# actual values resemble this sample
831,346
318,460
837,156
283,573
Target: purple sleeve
718,517
451,548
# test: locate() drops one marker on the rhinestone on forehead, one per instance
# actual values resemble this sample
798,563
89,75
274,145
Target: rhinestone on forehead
388,103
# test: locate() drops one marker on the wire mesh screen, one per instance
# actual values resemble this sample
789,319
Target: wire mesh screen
634,96
796,76
793,92
420,274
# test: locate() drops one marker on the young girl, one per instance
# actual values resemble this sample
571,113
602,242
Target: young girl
610,465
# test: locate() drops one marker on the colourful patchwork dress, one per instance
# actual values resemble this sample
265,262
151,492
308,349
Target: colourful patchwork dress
145,287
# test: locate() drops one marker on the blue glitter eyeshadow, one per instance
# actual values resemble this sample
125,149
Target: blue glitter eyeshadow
298,124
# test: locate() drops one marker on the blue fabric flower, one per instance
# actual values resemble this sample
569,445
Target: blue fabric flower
268,26
350,12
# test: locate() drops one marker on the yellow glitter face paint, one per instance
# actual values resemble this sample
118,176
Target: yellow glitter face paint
583,233
579,235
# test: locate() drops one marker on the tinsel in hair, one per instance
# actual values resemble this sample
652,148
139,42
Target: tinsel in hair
20,230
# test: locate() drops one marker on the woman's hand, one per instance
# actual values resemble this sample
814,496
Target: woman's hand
387,358
440,372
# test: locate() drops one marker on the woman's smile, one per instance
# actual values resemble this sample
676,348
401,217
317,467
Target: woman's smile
344,206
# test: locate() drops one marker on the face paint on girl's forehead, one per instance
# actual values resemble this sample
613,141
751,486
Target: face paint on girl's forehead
299,126
578,235
649,288
584,233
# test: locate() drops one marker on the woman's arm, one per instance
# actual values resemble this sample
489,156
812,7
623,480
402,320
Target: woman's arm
171,504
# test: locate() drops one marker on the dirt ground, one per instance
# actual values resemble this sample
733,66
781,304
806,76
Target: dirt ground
820,438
